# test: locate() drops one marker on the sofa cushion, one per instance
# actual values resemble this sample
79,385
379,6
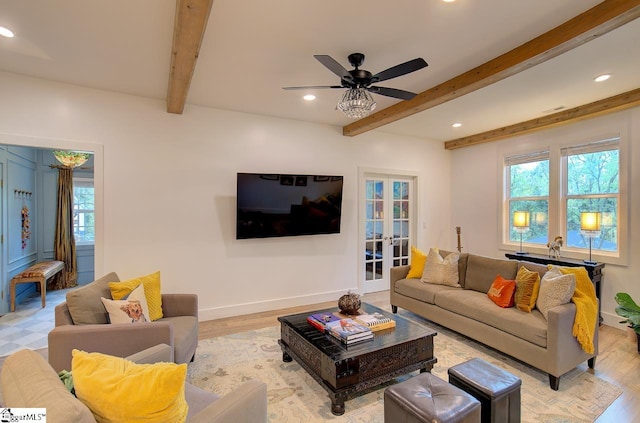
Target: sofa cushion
151,284
418,258
501,291
415,289
481,271
534,267
84,303
118,390
530,327
441,270
28,381
527,288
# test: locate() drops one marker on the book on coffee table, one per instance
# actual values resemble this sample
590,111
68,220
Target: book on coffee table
319,320
375,321
348,330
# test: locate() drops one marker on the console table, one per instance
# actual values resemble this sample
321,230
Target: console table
594,270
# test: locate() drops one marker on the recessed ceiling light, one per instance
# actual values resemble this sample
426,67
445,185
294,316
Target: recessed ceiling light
602,77
456,125
6,32
448,1
309,97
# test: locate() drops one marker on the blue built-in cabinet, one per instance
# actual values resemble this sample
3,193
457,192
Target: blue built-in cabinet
29,191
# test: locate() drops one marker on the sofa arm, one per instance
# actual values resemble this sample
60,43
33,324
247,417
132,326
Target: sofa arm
120,340
397,273
565,350
156,354
245,404
174,305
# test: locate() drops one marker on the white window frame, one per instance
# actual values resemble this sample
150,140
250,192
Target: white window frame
82,180
557,198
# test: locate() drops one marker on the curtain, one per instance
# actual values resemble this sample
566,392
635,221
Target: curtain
64,243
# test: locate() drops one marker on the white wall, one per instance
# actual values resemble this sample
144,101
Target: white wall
476,177
166,186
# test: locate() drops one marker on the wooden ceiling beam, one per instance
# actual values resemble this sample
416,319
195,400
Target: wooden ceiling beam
188,31
597,108
595,22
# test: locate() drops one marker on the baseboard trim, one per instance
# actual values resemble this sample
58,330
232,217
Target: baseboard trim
213,313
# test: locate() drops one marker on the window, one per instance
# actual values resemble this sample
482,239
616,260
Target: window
528,190
556,185
592,184
83,211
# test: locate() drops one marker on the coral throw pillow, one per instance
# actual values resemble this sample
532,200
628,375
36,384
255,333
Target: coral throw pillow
501,291
418,258
441,271
527,287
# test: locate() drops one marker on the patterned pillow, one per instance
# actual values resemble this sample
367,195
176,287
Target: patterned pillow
151,284
418,258
527,288
133,309
501,291
555,289
441,271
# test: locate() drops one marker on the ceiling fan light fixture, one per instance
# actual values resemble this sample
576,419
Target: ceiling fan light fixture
356,103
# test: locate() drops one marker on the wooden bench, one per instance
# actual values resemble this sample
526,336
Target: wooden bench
38,273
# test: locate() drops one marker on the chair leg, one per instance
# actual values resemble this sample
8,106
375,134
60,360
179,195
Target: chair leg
554,382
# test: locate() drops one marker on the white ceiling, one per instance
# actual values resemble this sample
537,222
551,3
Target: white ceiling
253,48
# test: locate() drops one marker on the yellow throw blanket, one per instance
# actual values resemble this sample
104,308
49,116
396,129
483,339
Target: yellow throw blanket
586,307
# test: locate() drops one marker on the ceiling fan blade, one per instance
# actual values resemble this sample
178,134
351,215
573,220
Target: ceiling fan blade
399,70
335,67
392,92
315,87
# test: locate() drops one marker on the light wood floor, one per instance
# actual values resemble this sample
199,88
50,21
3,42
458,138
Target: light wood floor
618,361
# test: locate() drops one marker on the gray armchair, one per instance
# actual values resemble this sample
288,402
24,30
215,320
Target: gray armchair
92,333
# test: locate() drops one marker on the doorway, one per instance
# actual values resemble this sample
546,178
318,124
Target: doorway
387,221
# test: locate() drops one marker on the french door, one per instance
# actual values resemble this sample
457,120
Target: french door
388,227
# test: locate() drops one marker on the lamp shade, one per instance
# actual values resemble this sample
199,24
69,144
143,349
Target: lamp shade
521,219
590,221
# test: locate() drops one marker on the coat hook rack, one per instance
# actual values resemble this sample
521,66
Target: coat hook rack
20,193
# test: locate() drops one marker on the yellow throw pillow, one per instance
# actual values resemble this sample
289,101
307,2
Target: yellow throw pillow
418,258
151,284
118,390
527,288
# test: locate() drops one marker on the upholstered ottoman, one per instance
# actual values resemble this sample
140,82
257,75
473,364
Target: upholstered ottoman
497,390
427,398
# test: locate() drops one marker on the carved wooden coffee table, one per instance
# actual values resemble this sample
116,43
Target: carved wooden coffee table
345,370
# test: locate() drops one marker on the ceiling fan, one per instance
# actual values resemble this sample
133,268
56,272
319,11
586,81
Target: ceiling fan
356,102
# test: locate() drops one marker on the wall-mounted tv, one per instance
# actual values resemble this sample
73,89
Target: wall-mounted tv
277,205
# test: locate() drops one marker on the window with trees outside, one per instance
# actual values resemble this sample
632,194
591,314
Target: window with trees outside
528,190
83,211
588,180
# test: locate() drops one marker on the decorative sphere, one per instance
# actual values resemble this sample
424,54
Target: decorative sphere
349,303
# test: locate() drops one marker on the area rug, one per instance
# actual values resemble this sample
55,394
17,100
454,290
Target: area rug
225,362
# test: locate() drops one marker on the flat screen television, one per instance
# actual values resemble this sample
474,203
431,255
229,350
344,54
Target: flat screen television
277,205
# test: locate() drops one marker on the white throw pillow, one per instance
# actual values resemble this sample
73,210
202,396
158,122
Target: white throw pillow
441,271
555,289
132,309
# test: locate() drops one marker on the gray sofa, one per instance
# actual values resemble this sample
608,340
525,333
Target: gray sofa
178,328
547,345
27,381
